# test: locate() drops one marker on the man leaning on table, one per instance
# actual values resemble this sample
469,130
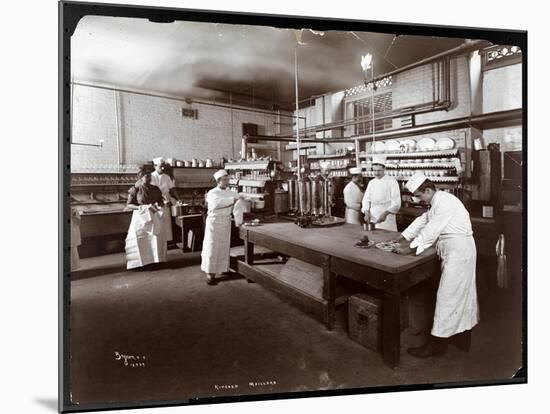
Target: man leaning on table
447,225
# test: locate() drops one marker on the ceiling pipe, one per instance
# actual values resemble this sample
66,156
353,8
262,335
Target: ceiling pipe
466,47
186,100
302,140
483,121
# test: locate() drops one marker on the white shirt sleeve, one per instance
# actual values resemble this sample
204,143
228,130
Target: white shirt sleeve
414,228
395,194
441,217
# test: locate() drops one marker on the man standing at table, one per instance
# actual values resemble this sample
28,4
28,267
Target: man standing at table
446,223
382,200
353,196
166,185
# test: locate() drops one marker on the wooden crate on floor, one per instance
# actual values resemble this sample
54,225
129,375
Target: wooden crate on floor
365,319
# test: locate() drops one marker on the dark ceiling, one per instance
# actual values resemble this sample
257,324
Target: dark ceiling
254,63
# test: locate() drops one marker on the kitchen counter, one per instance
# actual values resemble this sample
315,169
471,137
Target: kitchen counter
332,250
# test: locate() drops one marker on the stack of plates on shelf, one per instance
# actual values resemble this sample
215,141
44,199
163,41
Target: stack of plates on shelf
379,147
444,144
410,144
392,145
426,144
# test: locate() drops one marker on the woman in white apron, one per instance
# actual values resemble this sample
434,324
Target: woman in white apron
146,240
382,199
446,223
217,233
353,196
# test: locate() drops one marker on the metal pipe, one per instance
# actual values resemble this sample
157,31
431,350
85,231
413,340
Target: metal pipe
290,139
510,117
466,47
396,113
186,100
117,126
299,165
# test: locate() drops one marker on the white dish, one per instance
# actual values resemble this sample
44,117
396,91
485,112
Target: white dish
392,145
426,144
445,144
379,147
410,144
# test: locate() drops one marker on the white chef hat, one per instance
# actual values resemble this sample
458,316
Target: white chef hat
355,170
158,160
219,174
415,182
379,159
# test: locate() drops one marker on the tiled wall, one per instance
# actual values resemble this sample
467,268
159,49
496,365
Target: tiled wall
151,126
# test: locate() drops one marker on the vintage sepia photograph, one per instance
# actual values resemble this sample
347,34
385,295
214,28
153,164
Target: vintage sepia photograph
266,207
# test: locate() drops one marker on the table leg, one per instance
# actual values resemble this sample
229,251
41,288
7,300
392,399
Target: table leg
391,332
329,294
248,251
183,238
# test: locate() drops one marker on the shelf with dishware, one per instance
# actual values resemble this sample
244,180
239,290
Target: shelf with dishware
411,154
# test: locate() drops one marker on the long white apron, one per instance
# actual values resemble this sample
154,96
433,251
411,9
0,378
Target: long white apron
376,209
145,242
216,244
353,216
456,308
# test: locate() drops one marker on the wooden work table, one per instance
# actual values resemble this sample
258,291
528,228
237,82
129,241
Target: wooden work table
333,250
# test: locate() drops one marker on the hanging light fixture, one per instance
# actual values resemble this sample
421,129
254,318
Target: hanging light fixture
367,64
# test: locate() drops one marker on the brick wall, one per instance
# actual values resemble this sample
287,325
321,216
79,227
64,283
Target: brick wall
152,126
501,90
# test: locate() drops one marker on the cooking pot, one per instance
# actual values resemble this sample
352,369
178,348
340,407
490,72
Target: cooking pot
180,210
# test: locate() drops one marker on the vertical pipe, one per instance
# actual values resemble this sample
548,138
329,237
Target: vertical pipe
299,164
357,161
117,125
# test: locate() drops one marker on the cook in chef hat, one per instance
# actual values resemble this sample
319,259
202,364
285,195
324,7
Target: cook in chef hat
219,174
158,161
379,159
415,182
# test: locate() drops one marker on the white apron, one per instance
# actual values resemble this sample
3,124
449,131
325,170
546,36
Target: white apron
353,196
383,195
145,242
217,231
216,244
353,216
376,209
165,183
456,307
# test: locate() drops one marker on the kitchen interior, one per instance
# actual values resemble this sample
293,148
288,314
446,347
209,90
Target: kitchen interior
287,120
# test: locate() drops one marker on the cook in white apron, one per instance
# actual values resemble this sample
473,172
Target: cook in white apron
166,185
353,195
217,232
382,200
447,224
145,242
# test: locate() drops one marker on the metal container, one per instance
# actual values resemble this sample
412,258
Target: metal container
291,194
307,186
180,210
